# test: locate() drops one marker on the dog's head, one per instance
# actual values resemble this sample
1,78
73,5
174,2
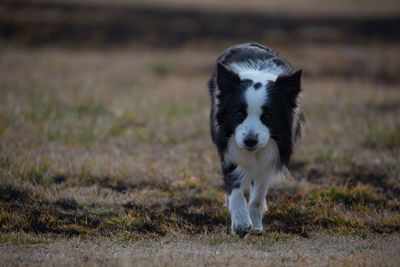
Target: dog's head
253,111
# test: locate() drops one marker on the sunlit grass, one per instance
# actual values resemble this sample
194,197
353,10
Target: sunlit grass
117,149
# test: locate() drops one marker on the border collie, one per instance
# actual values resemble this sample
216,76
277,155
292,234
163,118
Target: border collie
255,122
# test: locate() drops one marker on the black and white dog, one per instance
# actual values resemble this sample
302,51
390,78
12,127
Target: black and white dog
255,122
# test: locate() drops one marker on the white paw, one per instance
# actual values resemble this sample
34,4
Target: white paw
241,228
256,214
258,228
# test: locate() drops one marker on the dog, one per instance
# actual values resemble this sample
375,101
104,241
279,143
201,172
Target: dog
256,121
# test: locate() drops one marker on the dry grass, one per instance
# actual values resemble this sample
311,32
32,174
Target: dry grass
106,159
205,250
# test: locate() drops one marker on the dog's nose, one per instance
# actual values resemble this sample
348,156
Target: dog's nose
251,141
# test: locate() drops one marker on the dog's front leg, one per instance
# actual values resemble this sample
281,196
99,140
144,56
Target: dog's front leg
258,192
241,223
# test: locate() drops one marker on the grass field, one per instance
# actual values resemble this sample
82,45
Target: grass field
106,159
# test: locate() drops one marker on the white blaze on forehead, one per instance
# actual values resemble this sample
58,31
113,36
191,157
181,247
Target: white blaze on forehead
262,71
257,76
255,99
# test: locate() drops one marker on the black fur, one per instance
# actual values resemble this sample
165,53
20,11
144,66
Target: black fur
230,178
282,95
230,103
257,85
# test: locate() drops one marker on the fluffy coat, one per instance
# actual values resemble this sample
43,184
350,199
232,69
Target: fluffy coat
255,122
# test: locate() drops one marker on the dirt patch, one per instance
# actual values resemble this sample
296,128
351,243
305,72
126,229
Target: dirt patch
290,221
123,185
67,203
386,107
58,179
9,193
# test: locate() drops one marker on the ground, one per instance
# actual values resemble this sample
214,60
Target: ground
106,159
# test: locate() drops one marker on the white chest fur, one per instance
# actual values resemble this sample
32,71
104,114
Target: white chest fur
254,163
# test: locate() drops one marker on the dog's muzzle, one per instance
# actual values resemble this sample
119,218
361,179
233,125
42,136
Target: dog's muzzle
251,141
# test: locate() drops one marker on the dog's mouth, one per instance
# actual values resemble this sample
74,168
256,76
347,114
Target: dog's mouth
249,149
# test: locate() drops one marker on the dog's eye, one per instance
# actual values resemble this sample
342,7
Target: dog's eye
265,116
239,115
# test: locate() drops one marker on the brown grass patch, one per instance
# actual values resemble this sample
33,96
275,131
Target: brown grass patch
113,146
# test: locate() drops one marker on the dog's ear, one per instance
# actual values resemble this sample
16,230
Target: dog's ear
291,85
226,78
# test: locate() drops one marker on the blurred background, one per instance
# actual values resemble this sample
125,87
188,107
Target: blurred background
206,24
